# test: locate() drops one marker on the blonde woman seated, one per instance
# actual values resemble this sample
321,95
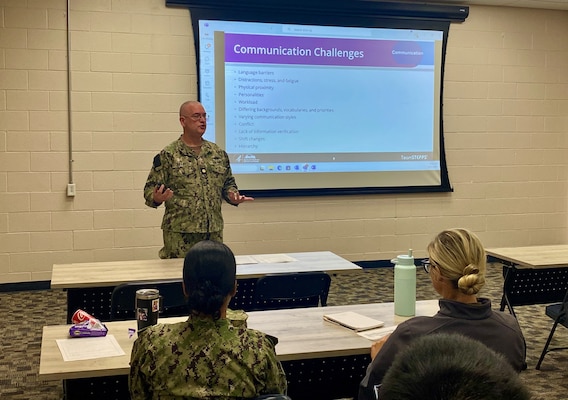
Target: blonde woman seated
456,267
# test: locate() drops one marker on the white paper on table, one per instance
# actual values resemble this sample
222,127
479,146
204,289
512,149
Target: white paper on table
273,258
241,260
376,334
88,348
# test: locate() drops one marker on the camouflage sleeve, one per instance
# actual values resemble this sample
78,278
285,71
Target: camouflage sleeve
275,381
230,183
155,178
136,383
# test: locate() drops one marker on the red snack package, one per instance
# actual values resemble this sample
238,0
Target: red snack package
81,316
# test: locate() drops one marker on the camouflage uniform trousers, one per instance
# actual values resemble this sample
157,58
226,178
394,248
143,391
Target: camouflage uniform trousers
177,244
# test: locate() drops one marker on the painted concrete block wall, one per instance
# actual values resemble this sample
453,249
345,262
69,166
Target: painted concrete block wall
133,64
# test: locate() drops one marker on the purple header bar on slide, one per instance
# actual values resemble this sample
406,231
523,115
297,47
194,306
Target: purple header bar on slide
267,49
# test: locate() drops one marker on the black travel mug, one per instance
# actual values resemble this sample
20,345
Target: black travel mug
147,307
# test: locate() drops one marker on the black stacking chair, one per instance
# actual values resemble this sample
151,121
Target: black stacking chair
558,313
172,300
293,290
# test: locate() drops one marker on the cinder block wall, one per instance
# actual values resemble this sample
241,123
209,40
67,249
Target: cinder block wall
133,63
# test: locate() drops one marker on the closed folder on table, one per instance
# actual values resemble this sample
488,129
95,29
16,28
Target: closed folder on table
353,320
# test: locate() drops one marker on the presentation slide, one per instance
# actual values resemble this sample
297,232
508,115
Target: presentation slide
300,106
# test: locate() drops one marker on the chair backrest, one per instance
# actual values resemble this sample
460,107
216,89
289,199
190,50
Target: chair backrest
560,312
172,300
293,290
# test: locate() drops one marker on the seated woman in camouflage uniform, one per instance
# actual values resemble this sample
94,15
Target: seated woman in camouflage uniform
206,356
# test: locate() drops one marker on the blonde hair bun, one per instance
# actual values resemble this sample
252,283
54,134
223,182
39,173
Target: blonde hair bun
471,282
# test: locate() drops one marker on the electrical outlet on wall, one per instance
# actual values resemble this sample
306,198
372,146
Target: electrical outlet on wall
71,190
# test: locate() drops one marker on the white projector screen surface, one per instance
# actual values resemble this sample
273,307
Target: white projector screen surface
306,107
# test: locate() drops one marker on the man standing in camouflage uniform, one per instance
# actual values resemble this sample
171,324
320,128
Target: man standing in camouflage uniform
191,176
206,356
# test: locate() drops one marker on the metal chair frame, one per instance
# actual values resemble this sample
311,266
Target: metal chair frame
558,313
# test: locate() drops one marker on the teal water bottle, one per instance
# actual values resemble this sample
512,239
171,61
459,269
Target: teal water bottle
404,285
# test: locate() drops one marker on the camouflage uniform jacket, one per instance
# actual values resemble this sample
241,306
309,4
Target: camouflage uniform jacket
199,182
202,358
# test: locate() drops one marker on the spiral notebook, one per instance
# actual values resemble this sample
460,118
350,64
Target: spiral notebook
353,320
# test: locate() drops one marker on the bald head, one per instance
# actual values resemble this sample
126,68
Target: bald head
193,120
188,105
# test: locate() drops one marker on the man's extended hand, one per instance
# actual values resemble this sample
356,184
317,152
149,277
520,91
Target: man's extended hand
237,198
161,194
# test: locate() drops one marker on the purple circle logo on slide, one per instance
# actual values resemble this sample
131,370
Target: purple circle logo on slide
407,53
